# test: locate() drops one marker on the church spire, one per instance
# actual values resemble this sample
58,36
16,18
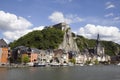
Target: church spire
98,38
98,46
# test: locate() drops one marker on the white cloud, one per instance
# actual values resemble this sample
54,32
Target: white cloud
108,15
117,18
102,21
74,18
38,28
14,35
109,5
13,27
58,17
108,33
29,16
10,21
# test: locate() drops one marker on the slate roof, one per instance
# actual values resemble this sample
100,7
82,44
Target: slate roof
35,50
24,49
3,43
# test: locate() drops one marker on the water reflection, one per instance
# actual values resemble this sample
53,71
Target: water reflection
62,73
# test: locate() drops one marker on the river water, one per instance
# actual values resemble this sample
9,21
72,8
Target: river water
100,72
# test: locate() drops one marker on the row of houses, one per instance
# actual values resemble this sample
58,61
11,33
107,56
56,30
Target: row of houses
47,56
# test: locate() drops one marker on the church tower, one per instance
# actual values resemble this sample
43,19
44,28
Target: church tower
99,48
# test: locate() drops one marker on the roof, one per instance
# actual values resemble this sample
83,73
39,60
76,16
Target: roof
24,49
35,50
3,43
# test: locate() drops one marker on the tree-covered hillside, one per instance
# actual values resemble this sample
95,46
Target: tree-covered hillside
111,48
48,38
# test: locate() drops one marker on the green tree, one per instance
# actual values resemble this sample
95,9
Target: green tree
96,62
25,59
72,60
48,38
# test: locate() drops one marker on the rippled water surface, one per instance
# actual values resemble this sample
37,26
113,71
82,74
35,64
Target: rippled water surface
100,72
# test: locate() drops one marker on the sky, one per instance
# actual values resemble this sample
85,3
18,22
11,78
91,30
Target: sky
85,17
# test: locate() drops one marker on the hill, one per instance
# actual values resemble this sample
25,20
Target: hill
48,38
111,48
52,37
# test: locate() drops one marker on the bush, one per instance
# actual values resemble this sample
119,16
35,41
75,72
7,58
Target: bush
25,59
72,60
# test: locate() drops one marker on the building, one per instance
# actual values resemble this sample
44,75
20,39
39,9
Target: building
3,52
34,54
21,51
99,49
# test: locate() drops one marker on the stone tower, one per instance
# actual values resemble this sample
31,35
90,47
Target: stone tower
99,49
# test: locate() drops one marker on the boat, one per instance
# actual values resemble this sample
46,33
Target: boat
70,64
30,64
90,64
64,64
54,64
118,64
81,64
39,64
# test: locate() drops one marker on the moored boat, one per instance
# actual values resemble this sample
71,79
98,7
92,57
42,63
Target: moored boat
39,64
64,64
81,64
54,64
31,64
90,64
118,64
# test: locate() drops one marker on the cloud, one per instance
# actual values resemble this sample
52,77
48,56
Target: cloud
14,35
57,17
29,16
117,18
10,21
109,33
102,21
109,5
74,18
13,27
109,15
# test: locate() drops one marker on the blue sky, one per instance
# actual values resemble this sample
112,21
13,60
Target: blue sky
85,17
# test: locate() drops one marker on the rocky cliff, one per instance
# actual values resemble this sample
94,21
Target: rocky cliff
69,43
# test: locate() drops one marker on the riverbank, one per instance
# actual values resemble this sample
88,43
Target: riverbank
13,66
23,65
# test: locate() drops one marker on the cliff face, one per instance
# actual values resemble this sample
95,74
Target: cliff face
69,43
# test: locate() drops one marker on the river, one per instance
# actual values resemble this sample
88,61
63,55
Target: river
99,72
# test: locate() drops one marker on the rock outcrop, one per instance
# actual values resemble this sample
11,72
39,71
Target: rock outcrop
69,43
